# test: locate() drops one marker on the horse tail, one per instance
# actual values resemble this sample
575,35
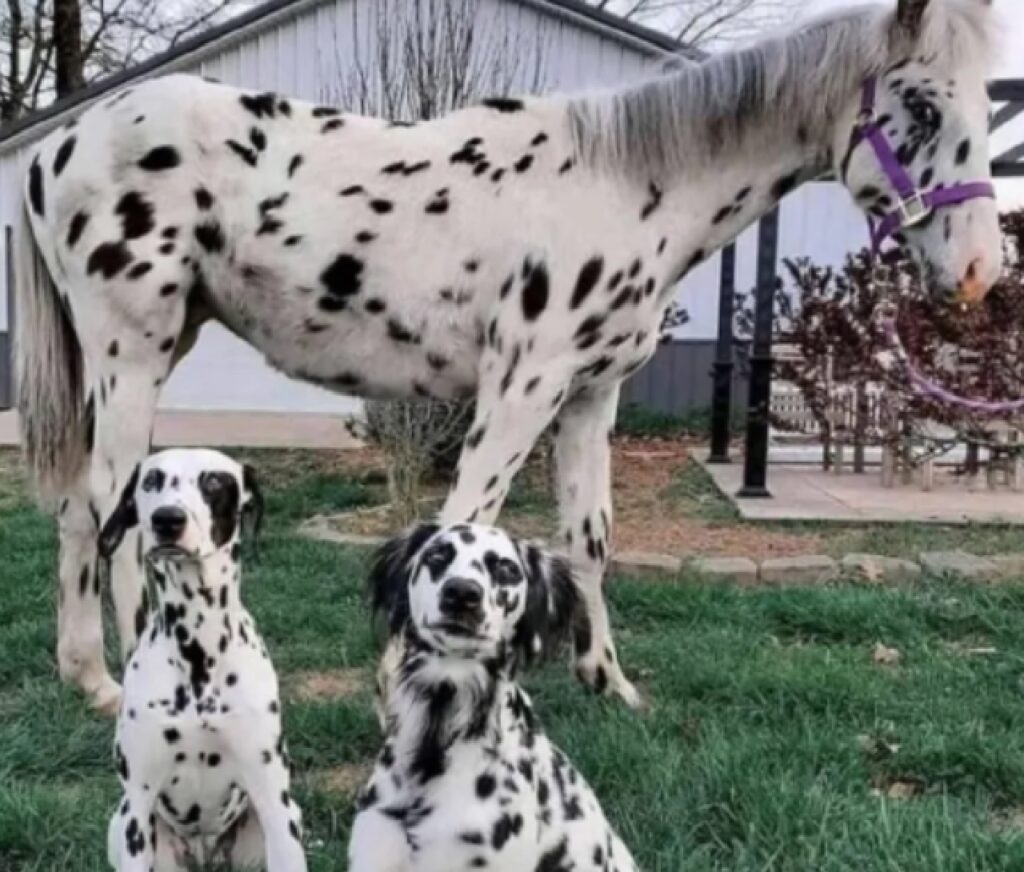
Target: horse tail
49,372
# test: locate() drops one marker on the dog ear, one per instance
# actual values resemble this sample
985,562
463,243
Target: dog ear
253,505
552,603
388,581
121,520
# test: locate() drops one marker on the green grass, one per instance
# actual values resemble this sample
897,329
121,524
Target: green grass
769,724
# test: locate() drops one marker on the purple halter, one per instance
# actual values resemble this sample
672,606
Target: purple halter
914,205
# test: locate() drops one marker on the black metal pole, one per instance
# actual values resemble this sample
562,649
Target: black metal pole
721,370
755,462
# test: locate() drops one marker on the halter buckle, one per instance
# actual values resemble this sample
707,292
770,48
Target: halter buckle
867,117
913,210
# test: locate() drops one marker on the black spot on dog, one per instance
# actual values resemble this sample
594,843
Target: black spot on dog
364,236
475,437
535,292
63,155
523,164
351,191
325,112
722,214
381,207
258,139
400,333
75,228
109,258
168,289
167,345
136,215
294,164
374,306
163,157
333,124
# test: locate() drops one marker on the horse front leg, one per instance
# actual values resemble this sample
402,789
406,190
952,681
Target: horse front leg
583,472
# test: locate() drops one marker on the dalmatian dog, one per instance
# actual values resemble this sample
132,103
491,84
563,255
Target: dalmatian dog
199,747
466,778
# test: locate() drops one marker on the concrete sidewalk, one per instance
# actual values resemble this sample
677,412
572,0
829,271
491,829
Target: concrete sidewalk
806,493
232,430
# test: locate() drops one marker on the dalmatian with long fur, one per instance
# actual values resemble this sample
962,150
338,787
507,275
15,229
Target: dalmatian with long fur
199,748
520,252
467,779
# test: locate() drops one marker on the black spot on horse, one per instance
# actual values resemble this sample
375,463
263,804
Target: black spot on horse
343,278
35,187
325,112
75,228
244,152
258,139
163,157
963,151
653,202
381,207
136,215
204,199
504,104
294,164
782,186
210,236
722,214
261,105
139,270
108,258
333,124
523,164
63,155
589,276
535,292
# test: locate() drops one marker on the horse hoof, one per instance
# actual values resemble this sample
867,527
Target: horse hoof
106,700
606,679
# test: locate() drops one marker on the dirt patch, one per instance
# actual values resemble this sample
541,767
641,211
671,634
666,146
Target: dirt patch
663,503
345,780
330,684
282,467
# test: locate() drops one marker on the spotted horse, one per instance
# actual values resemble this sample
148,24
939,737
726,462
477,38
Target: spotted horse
521,252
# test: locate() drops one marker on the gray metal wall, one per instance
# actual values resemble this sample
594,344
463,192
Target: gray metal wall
677,379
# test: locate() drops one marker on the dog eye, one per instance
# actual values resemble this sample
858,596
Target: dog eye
506,572
211,484
154,481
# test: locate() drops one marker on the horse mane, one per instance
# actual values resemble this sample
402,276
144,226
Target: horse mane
791,82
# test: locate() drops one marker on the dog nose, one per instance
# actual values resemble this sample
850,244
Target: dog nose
461,596
169,523
973,286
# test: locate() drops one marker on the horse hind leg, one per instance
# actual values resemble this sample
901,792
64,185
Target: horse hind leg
583,472
80,654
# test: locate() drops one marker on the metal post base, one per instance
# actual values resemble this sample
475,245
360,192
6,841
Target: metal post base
754,493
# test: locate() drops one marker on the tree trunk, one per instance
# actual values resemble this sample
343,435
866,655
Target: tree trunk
67,43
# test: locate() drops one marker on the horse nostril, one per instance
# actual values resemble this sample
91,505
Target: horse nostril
972,288
169,523
972,271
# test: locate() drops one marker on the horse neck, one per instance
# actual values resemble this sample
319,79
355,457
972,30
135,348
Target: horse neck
709,208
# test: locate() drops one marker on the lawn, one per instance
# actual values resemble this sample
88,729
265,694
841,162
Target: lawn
773,741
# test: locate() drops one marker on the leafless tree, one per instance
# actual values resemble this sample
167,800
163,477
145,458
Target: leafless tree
415,60
703,23
50,48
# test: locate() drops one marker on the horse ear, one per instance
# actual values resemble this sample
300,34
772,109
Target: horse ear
552,603
388,582
121,520
909,14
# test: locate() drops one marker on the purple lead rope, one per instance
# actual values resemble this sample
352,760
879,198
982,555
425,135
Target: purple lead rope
914,206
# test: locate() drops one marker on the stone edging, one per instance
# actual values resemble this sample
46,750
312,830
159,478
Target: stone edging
806,569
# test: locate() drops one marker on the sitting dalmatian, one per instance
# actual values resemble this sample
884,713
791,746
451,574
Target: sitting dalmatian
466,779
199,746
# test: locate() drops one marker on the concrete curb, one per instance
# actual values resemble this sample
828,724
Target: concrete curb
808,569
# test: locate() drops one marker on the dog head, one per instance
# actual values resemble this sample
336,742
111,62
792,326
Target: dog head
472,591
191,503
